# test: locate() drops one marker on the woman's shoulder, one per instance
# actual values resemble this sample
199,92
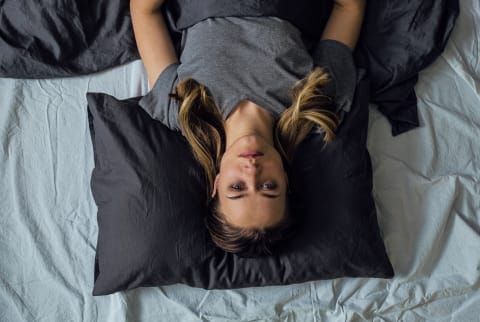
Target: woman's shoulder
158,103
337,60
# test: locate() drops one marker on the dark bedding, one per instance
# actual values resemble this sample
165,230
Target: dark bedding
57,38
150,193
400,38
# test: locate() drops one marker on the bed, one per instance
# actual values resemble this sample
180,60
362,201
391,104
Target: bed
426,189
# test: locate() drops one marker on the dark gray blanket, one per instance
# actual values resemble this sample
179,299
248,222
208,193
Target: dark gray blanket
58,38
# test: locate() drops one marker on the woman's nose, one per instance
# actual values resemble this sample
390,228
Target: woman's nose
252,164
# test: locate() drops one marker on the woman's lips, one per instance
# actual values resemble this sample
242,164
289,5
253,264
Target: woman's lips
250,154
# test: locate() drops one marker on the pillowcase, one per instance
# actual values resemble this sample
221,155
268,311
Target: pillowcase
151,197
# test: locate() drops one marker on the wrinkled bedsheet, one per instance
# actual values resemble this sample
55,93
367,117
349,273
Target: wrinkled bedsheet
426,186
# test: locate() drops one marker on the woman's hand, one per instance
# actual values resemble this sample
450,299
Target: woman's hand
345,22
153,39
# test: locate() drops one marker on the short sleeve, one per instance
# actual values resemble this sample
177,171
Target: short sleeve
337,59
158,104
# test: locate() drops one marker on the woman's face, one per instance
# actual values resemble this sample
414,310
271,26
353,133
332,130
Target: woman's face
251,184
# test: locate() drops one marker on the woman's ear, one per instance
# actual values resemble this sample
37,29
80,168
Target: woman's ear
215,185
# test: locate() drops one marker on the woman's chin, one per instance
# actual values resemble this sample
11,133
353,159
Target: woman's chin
252,142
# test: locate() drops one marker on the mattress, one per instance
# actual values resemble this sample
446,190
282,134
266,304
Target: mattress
426,188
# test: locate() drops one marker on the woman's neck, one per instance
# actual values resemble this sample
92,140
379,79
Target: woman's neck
246,119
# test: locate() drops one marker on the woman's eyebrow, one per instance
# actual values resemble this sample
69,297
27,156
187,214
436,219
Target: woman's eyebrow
266,195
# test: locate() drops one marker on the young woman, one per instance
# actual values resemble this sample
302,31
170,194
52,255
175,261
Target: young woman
245,93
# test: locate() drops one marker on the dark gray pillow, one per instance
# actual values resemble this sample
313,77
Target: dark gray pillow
151,204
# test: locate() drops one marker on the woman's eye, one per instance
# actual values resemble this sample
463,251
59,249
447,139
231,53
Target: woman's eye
236,186
269,186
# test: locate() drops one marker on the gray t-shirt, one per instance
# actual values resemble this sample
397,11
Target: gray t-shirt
250,58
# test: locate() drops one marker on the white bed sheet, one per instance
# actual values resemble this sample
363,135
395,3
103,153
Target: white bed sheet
426,186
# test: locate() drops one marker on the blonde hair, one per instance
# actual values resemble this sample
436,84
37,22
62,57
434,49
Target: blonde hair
203,127
306,111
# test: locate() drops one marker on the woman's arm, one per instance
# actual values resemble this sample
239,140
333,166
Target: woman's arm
153,39
345,22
